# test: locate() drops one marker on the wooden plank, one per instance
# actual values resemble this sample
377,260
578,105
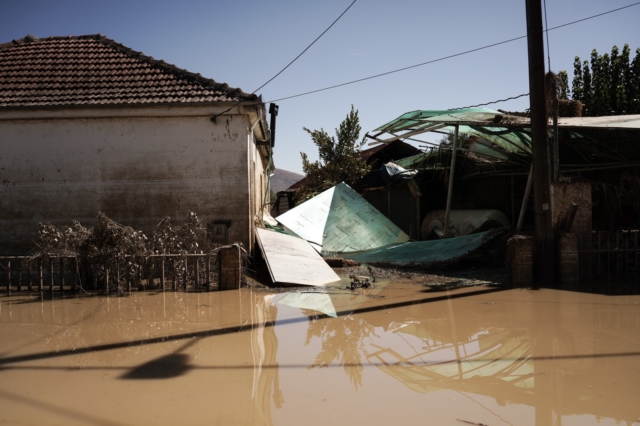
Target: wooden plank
292,260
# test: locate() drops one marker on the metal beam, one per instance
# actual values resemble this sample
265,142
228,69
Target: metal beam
452,171
415,132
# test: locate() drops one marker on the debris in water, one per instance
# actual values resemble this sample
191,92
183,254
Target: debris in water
472,423
359,281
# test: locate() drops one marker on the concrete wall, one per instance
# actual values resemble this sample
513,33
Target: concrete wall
136,169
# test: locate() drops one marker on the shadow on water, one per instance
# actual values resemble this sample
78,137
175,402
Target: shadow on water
166,367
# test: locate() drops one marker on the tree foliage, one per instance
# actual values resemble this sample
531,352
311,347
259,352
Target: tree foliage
339,160
607,84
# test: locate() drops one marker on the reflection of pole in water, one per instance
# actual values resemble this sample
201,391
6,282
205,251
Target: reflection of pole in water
542,354
264,348
455,336
53,308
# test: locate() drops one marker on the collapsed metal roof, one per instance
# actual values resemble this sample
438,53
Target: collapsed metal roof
504,140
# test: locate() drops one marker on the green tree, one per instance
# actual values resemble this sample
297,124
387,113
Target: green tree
577,86
563,90
587,93
634,85
626,78
608,84
339,160
615,81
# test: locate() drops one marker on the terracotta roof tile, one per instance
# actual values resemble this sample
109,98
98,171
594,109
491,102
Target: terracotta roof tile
95,70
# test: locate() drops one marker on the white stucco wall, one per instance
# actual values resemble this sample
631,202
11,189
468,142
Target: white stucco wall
136,169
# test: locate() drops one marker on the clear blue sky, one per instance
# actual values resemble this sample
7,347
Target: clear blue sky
244,43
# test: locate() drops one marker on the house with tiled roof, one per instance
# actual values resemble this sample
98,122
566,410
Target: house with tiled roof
88,125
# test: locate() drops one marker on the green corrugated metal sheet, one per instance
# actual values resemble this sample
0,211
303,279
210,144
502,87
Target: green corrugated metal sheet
479,122
339,220
425,252
419,119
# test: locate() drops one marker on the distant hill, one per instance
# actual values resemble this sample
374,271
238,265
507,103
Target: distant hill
282,179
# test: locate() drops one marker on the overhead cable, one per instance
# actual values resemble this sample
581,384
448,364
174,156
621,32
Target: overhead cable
450,56
546,25
493,102
294,59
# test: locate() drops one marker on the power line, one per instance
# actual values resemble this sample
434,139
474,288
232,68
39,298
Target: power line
594,16
307,48
493,102
402,69
546,25
290,63
451,56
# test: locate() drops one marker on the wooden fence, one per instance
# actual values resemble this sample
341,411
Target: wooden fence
196,272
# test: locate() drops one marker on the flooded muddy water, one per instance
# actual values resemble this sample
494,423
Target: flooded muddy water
396,354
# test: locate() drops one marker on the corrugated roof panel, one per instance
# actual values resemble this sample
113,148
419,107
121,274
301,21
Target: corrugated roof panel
425,252
341,221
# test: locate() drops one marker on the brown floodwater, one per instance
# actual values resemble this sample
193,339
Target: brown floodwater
396,354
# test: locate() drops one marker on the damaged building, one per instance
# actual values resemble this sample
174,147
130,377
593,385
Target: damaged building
483,166
90,125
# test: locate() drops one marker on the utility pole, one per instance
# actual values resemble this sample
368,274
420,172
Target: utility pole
545,250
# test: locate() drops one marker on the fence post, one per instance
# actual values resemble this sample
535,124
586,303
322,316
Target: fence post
117,275
230,268
30,287
51,273
186,273
41,283
208,280
196,284
83,273
175,276
62,275
106,279
9,277
162,273
19,283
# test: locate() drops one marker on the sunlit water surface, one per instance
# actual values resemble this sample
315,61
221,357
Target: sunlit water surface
397,354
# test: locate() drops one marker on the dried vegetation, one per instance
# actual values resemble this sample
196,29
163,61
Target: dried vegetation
123,252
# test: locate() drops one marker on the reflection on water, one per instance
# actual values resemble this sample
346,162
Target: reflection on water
343,341
566,355
154,356
404,356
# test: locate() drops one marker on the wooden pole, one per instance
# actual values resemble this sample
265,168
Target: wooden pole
540,146
452,171
556,148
